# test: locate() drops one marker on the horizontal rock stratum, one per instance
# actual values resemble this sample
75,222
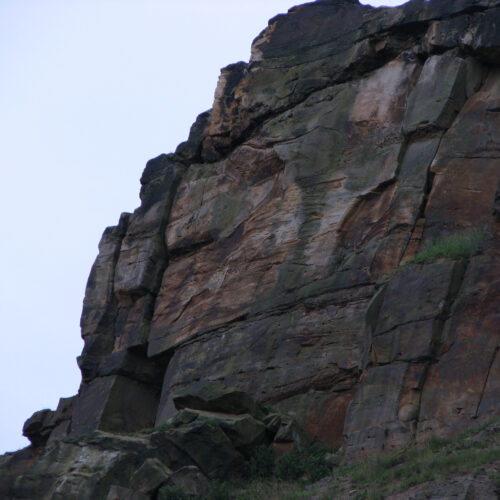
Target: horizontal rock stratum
272,252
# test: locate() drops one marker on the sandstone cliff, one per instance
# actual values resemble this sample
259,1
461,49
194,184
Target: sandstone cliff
272,253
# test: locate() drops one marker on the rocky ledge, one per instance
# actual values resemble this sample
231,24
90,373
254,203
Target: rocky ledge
213,436
327,241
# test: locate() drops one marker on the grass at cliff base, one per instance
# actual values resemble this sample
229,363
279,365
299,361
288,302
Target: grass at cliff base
437,459
269,489
475,451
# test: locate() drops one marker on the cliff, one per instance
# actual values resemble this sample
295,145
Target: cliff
276,253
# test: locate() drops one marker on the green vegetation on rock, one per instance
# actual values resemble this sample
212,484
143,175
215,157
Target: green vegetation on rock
454,246
270,489
438,458
173,493
261,465
311,464
288,478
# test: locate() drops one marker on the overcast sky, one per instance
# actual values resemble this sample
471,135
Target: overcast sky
89,91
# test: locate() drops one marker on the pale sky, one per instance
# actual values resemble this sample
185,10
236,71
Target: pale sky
89,91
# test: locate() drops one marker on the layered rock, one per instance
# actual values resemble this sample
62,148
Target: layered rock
270,252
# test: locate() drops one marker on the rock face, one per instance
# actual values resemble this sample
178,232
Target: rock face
271,253
199,444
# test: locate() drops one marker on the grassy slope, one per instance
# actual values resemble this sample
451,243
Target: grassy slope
473,452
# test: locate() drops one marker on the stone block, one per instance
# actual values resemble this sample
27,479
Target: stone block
418,293
114,403
191,480
439,94
208,447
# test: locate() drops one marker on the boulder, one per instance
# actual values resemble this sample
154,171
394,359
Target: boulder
244,431
208,447
191,480
216,398
39,426
150,476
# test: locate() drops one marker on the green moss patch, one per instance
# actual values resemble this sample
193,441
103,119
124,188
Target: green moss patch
455,246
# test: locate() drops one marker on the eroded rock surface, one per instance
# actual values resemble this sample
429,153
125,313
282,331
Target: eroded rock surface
268,254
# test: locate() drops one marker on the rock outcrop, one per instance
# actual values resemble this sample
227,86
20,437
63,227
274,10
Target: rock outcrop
212,437
272,253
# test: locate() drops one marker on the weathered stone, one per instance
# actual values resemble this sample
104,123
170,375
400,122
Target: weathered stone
291,433
121,493
13,465
216,398
272,422
265,259
131,364
453,397
208,447
409,401
39,426
143,255
62,418
85,470
418,293
97,305
413,178
64,409
313,183
404,323
114,403
482,35
191,480
491,393
150,476
141,250
466,166
281,73
322,414
244,431
185,416
117,310
373,413
446,34
438,95
409,342
191,149
274,377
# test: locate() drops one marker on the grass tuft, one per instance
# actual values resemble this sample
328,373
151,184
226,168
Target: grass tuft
172,493
455,246
438,458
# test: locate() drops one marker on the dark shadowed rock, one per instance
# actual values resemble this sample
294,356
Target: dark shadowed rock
208,447
121,493
150,476
191,480
215,398
39,426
